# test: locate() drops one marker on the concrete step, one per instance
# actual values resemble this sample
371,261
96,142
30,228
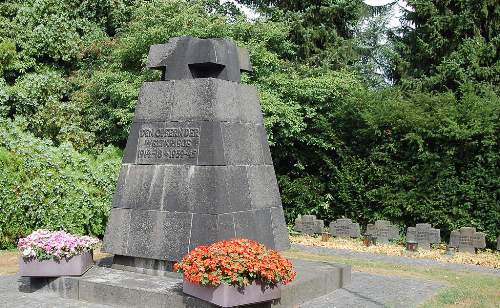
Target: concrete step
113,287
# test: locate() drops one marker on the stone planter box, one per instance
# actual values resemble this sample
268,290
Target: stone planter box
228,296
74,266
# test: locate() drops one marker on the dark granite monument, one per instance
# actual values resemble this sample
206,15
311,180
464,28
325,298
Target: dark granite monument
466,239
197,169
382,231
344,227
309,224
424,235
197,166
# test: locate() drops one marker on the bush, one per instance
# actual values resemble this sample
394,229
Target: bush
53,187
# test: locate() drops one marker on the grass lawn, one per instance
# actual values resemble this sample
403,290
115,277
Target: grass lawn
463,289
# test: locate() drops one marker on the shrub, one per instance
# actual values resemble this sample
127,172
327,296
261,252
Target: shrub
53,187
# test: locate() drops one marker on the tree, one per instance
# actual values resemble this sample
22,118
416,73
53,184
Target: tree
445,44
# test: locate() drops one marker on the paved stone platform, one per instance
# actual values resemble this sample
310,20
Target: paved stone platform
108,286
365,290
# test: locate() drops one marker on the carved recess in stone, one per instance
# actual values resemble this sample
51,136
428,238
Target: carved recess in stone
424,235
344,227
309,224
466,239
383,231
197,166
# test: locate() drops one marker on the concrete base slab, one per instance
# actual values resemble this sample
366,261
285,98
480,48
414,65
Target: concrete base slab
114,287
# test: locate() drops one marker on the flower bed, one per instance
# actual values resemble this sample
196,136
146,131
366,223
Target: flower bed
235,272
47,253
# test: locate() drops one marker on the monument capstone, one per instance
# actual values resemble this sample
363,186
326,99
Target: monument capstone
197,166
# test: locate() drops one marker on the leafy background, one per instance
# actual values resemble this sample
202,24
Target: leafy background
364,121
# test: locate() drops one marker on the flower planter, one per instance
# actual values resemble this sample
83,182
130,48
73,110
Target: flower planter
228,296
74,266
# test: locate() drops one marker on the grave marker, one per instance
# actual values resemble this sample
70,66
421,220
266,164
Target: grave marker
424,235
466,239
344,227
383,231
309,224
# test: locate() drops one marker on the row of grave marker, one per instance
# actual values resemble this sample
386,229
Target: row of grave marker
465,239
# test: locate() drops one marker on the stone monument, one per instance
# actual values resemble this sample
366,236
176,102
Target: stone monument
309,224
383,231
196,169
424,235
466,239
498,242
197,166
344,227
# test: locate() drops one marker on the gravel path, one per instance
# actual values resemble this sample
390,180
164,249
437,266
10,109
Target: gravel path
395,259
369,290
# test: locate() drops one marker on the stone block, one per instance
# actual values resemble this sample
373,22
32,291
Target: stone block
156,235
207,190
155,103
204,230
280,231
238,188
242,144
117,230
225,227
211,149
263,187
176,194
255,225
142,188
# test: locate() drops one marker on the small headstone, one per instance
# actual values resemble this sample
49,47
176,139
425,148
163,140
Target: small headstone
383,231
424,235
466,239
344,227
309,224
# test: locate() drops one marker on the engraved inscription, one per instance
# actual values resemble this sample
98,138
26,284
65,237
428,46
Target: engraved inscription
168,144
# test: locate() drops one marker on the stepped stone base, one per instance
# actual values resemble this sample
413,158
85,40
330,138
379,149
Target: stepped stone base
114,287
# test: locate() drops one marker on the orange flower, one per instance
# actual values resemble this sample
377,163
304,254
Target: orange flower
237,262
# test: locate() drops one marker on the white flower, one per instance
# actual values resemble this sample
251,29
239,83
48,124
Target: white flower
27,252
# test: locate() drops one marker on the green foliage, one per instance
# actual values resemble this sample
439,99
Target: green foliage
72,70
321,30
44,186
446,44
